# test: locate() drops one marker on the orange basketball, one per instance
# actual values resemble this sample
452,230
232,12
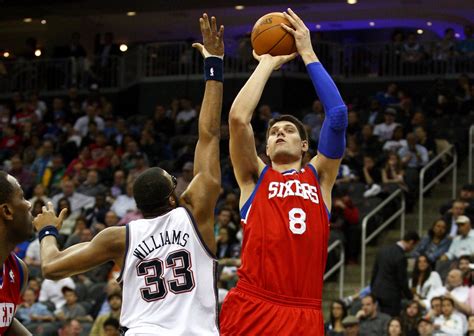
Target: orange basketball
268,37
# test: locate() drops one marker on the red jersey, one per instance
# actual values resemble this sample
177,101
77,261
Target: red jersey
11,281
286,231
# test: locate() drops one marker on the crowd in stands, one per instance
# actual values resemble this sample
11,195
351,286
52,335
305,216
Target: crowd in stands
79,154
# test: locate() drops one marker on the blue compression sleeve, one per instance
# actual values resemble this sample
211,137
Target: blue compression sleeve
332,139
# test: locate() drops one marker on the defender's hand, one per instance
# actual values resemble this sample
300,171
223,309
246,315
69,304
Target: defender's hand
213,39
48,217
275,61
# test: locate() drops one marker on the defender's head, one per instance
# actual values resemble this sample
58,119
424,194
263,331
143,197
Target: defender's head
15,211
153,191
287,139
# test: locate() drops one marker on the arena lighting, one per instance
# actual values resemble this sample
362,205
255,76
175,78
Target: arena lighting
123,47
429,24
27,20
131,13
457,35
419,31
371,23
318,26
6,54
43,21
239,7
351,2
37,52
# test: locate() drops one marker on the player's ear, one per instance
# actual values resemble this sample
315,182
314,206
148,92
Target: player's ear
172,201
304,146
6,211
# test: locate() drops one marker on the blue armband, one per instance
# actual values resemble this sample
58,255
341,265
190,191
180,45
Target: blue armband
332,139
214,69
49,230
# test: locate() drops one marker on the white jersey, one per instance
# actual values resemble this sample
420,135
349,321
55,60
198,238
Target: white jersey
169,278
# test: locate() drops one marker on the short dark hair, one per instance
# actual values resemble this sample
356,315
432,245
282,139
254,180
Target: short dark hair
411,235
151,190
465,257
372,296
286,117
446,298
436,298
112,322
6,188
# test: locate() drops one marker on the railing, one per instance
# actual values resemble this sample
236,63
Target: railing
422,188
339,266
48,75
168,59
471,150
365,240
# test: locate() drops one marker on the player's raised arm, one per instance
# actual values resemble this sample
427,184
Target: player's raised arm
247,165
201,195
108,245
332,139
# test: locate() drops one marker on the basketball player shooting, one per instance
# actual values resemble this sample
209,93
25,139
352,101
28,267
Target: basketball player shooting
284,207
167,260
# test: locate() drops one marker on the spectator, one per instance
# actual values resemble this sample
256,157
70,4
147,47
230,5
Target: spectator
224,219
384,131
435,309
389,275
467,274
371,320
24,176
394,327
75,236
124,203
389,98
314,119
43,161
33,314
371,177
10,142
412,50
119,184
397,140
451,217
51,291
424,279
369,142
77,200
91,186
33,258
449,323
111,327
445,49
466,46
409,316
393,173
97,213
454,287
425,327
69,220
115,303
39,193
463,243
374,113
82,124
71,327
337,314
71,309
351,326
425,141
163,124
54,174
226,248
185,116
413,155
436,243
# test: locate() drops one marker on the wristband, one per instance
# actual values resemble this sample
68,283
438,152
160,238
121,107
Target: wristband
49,230
214,69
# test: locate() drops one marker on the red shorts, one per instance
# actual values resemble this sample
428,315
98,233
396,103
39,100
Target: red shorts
248,310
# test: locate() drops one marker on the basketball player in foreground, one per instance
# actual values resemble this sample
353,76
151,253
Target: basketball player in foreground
168,270
15,227
284,207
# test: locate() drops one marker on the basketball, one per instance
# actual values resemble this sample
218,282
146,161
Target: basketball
268,37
